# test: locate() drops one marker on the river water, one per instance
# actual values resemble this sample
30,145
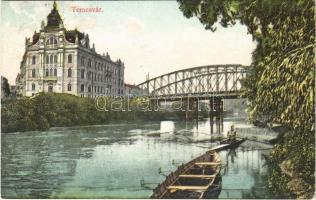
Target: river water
111,161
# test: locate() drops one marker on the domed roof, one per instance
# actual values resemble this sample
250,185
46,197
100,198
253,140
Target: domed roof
54,19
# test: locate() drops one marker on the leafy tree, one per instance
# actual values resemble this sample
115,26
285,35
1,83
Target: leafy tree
281,81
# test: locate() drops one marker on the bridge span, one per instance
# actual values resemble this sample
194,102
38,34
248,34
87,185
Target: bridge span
212,82
220,81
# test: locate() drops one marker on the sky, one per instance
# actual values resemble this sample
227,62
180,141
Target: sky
148,36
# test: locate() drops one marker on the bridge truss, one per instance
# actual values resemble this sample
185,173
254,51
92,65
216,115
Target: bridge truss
214,80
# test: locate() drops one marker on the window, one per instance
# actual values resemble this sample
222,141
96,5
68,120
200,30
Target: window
82,88
82,73
55,59
69,87
55,72
33,86
51,72
33,73
51,59
69,58
69,72
89,63
47,73
89,88
33,60
82,61
51,41
47,59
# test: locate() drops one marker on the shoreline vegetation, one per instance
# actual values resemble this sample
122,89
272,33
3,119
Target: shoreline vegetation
46,110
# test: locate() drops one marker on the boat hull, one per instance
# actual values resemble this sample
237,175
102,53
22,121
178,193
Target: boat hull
193,180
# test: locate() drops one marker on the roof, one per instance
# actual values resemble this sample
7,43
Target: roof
72,34
130,85
35,38
53,18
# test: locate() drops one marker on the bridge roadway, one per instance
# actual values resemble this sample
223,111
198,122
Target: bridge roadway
198,96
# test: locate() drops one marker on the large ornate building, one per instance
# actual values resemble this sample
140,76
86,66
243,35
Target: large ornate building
63,61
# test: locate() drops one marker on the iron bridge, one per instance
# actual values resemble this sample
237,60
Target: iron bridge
223,81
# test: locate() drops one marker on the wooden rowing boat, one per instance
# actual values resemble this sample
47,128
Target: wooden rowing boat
199,178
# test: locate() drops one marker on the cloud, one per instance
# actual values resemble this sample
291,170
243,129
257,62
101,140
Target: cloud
143,41
133,26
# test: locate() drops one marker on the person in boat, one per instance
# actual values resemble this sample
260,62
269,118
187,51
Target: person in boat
231,133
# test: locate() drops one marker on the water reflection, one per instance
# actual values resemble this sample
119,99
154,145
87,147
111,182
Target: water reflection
167,127
244,175
110,161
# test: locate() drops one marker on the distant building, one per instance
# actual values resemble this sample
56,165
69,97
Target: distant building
5,87
13,90
132,90
63,61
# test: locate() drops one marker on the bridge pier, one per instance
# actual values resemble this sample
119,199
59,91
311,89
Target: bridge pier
216,110
191,108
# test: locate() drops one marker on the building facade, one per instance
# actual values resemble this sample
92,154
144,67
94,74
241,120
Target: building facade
63,61
132,90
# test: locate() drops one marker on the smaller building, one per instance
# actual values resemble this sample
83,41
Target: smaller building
13,91
132,90
5,87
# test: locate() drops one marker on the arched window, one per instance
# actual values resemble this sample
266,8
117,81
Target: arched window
51,59
51,42
33,60
69,87
55,72
33,86
47,59
69,58
51,72
47,72
33,73
69,72
55,59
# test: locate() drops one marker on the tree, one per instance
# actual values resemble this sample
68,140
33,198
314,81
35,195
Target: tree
281,82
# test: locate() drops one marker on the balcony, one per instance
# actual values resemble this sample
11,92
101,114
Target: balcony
50,78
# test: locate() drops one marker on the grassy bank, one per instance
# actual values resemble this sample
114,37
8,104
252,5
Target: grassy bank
60,110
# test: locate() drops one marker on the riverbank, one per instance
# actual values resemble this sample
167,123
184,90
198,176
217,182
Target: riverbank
47,110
